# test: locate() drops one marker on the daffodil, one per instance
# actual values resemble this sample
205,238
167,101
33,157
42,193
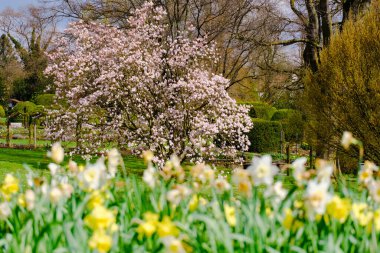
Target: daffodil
30,199
57,153
100,241
376,219
299,170
317,197
374,189
178,193
149,226
230,214
362,213
96,199
324,170
290,222
114,160
173,245
348,139
193,204
277,192
242,180
149,176
100,218
339,208
221,185
5,210
262,170
55,195
94,176
167,228
10,186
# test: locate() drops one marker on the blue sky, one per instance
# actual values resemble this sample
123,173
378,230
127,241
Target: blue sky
15,3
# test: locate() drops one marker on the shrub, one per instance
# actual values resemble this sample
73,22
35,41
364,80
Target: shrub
261,110
46,100
344,93
2,112
265,136
292,123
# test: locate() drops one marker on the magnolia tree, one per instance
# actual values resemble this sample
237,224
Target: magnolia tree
140,88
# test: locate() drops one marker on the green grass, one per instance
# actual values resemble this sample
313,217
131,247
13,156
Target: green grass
15,161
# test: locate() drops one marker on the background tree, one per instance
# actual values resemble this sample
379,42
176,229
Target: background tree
145,90
240,29
344,93
30,33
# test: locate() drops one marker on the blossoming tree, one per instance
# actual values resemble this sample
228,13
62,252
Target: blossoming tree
140,88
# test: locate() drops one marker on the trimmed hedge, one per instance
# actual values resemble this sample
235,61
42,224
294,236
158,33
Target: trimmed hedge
292,123
261,110
265,136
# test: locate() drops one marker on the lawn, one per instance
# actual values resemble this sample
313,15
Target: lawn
15,161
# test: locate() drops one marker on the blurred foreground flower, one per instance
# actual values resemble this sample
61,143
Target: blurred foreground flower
57,154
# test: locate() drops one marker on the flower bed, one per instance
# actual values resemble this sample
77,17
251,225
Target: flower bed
100,208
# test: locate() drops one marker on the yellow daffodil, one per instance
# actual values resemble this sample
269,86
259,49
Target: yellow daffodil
167,228
230,214
10,186
21,200
100,241
339,208
146,229
289,222
376,219
361,213
100,218
96,199
149,226
193,204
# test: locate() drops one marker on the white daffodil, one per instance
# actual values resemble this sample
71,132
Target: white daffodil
324,170
114,160
299,170
317,196
57,153
366,172
178,193
55,195
53,168
348,139
276,191
94,176
262,170
149,176
5,210
374,189
221,185
173,245
30,199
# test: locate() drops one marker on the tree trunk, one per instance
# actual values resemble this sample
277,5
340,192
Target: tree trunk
353,8
310,54
8,140
326,23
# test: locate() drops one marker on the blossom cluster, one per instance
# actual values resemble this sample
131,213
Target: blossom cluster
142,89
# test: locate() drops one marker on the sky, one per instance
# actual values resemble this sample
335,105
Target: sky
15,3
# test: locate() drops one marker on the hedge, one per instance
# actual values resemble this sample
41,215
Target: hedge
292,123
261,110
265,136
